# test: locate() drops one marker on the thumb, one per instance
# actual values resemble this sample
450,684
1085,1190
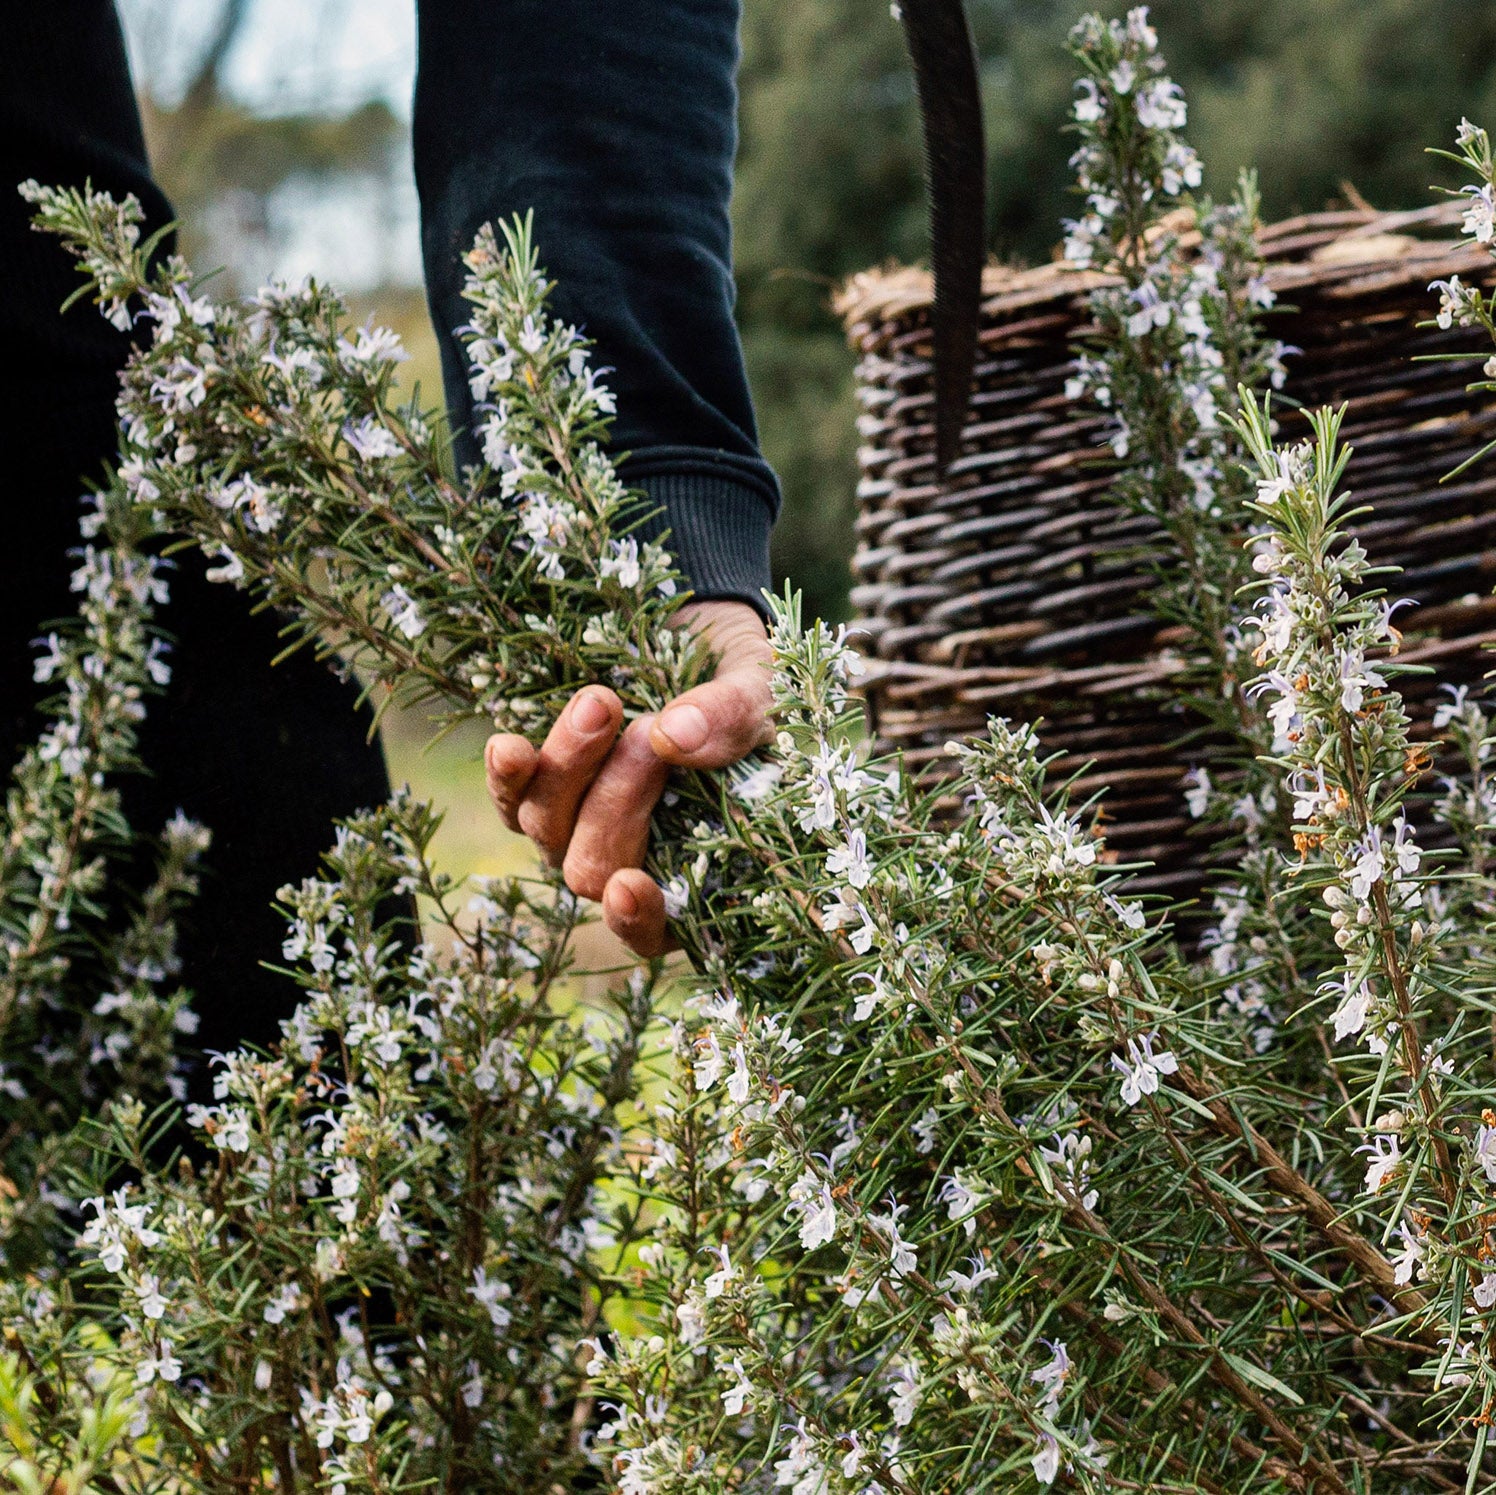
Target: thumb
719,722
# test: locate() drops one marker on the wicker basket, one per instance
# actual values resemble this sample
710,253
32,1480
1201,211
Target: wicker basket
1015,586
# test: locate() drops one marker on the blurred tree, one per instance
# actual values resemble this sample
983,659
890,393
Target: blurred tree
1315,93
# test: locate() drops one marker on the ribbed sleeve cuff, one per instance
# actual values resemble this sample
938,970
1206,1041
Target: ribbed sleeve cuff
719,520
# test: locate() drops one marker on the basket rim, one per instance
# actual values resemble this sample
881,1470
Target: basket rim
1344,244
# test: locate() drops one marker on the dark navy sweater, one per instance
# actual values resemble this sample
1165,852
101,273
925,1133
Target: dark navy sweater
617,124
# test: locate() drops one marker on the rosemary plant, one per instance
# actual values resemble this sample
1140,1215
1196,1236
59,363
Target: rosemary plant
961,1178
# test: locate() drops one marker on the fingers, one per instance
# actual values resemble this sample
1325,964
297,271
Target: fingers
612,827
717,723
597,816
510,763
537,792
570,757
634,909
586,796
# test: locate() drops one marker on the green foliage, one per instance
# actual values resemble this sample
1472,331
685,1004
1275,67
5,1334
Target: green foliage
969,1176
1310,93
88,1002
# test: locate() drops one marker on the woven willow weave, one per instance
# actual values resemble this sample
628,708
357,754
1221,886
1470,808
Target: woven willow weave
1017,587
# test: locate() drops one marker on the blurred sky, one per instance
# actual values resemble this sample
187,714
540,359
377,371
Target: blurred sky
296,56
329,55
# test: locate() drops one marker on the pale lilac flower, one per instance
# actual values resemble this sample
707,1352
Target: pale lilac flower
677,896
709,1062
717,1284
1369,866
852,1460
1181,169
1480,214
1485,1151
1409,1260
1142,1068
230,568
1312,797
812,1198
148,1294
902,1256
961,1201
160,1364
1051,1377
1385,1157
903,1398
1356,678
622,562
736,1395
800,1467
403,611
287,1300
757,783
531,338
1046,1460
1161,106
1071,1156
851,860
1197,796
371,440
1355,1005
1153,311
1406,853
1089,107
868,1002
1276,619
372,345
492,1295
1444,713
1455,302
1260,293
48,664
1284,712
966,1282
1139,31
739,1082
297,361
1288,477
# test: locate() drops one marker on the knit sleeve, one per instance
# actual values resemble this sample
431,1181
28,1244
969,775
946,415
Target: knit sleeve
617,125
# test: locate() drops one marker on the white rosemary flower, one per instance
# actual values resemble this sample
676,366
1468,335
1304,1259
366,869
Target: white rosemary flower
850,860
1052,1376
1141,1068
811,1197
737,1396
1479,221
371,439
1046,1459
1384,1160
403,611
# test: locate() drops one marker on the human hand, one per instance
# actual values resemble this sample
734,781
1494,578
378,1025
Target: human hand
586,795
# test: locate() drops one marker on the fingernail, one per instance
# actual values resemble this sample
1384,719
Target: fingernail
588,714
685,726
625,905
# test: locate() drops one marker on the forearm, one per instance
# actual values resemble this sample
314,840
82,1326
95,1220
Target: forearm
617,125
